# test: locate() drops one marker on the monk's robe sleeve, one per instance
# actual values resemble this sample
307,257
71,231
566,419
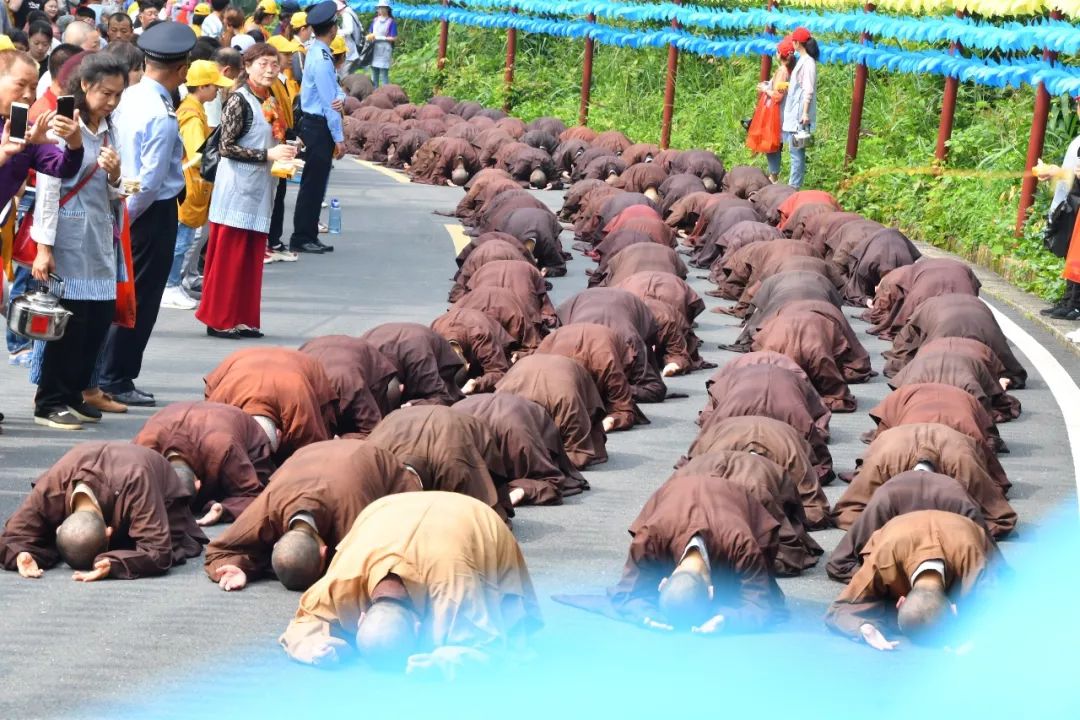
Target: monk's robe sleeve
363,414
862,601
316,635
492,360
758,593
30,530
636,595
240,484
672,340
148,529
246,544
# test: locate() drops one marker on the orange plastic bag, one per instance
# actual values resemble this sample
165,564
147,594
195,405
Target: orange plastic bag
1072,258
124,315
764,133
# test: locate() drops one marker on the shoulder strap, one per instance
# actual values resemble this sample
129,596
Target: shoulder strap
82,183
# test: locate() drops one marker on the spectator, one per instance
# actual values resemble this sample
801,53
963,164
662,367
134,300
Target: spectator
87,15
351,31
41,43
230,63
800,106
51,8
46,101
234,25
132,57
383,33
19,40
120,28
264,18
85,36
214,24
198,17
149,13
764,133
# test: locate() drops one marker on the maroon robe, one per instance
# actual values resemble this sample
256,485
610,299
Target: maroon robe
579,195
426,363
615,243
523,279
735,272
483,342
677,187
645,222
819,229
506,308
767,201
721,220
945,366
373,369
436,159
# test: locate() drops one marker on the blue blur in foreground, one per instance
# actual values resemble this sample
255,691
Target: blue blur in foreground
1022,664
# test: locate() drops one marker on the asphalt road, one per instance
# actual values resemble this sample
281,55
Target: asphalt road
176,645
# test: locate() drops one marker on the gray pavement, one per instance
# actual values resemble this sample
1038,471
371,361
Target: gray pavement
177,645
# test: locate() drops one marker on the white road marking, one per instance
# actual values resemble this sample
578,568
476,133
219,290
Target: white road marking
457,236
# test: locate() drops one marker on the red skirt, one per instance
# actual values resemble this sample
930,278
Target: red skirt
232,282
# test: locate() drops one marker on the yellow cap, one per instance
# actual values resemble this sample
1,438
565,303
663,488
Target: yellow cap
205,72
337,46
269,6
202,9
283,44
5,43
298,20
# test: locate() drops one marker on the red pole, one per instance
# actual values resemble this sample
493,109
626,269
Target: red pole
586,78
1035,143
669,90
766,60
948,106
444,29
511,54
858,93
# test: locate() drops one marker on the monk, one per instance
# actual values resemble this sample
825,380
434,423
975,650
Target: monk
901,291
769,484
423,582
818,411
872,259
907,492
938,403
677,348
666,288
938,448
736,270
542,229
444,161
375,371
649,257
533,456
703,163
642,177
484,253
701,559
529,166
108,510
504,306
485,185
614,243
566,390
481,342
677,187
742,180
294,527
219,449
429,369
777,441
521,278
683,213
919,563
597,349
287,392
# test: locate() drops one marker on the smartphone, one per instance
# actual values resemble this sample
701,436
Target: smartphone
18,121
65,106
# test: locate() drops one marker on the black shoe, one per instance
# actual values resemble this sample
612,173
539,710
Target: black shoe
85,412
133,397
309,247
143,392
60,419
324,246
1048,311
277,247
231,334
249,332
1066,313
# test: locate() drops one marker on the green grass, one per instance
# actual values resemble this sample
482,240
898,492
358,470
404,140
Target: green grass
973,216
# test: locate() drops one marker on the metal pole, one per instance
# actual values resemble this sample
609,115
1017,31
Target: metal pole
766,60
948,106
1035,142
511,55
858,94
586,78
669,90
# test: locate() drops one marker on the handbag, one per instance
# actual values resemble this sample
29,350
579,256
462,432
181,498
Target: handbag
211,150
1059,228
24,249
124,314
366,54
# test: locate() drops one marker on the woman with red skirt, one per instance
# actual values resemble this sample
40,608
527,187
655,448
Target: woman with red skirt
252,131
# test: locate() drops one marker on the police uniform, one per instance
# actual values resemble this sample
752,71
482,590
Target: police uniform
320,129
150,150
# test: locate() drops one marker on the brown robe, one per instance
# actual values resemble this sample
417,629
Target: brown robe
818,229
716,213
485,185
502,206
734,272
894,553
847,236
793,388
803,197
794,225
722,220
640,153
507,309
566,390
614,243
640,176
638,258
521,278
964,363
904,493
675,188
742,180
532,451
486,346
955,315
903,290
666,288
766,201
435,160
685,212
769,484
597,349
521,160
426,363
613,141
228,451
482,239
333,481
780,443
141,499
742,541
781,266
287,386
650,224
579,195
951,452
872,259
777,291
541,227
491,251
364,368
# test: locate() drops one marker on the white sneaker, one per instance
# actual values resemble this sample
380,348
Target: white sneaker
177,299
285,255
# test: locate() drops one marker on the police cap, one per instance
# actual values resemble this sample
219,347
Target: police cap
322,13
167,42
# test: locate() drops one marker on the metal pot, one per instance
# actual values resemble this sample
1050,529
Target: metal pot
38,315
802,138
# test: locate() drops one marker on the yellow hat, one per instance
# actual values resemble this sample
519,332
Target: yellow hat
337,46
205,72
202,9
298,20
269,6
283,44
5,43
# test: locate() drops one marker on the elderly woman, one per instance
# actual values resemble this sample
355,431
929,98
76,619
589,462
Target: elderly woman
252,139
74,227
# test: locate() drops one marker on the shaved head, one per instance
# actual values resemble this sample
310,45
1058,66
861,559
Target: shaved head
393,392
81,538
296,560
460,175
709,183
920,616
685,599
387,635
186,475
538,179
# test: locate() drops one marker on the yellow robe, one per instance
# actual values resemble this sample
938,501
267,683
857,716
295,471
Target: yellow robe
461,565
193,133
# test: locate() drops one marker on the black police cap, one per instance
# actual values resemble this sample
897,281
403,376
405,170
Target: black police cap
322,13
167,42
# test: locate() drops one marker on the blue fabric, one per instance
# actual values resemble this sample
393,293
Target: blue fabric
150,147
380,76
320,87
185,237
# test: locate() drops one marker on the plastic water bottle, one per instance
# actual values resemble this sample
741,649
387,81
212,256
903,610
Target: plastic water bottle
335,217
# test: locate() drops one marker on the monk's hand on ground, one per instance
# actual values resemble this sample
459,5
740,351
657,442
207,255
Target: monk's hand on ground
231,578
873,637
609,422
100,572
710,626
1005,383
27,566
670,369
656,625
446,661
469,387
516,496
212,516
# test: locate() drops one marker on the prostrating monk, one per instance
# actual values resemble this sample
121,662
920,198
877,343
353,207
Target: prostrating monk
219,449
705,164
448,450
684,213
533,456
817,409
294,527
540,227
491,250
483,186
677,187
529,166
667,288
107,509
938,403
742,180
901,291
566,390
872,259
431,373
423,581
934,447
648,223
597,349
917,565
907,492
357,410
379,374
444,161
505,307
287,392
521,278
482,343
769,484
736,270
648,257
780,443
720,220
955,315
678,348
701,559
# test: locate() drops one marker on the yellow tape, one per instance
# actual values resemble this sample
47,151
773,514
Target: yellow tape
935,170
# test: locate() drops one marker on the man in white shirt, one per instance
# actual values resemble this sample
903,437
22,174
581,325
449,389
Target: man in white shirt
213,26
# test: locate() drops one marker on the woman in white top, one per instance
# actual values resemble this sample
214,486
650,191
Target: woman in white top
383,33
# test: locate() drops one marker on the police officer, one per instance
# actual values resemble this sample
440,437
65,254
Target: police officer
151,154
322,101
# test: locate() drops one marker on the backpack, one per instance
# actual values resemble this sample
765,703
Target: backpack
210,150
